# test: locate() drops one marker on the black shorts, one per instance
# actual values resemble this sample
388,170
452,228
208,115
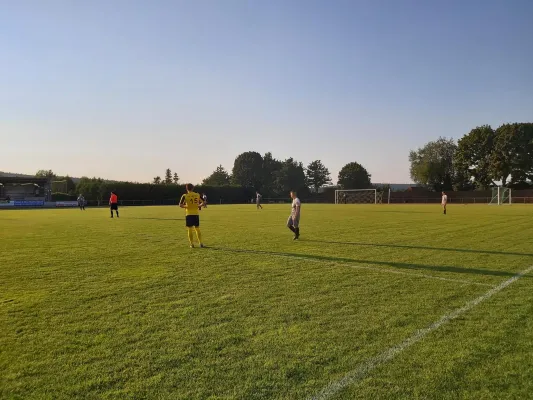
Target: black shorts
114,206
192,220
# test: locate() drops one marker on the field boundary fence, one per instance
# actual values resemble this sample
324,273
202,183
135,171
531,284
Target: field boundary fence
265,201
277,200
456,200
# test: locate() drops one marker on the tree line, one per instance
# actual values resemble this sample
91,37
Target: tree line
273,177
251,172
168,180
483,158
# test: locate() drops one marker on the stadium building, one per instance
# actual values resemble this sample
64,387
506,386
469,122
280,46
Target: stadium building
25,189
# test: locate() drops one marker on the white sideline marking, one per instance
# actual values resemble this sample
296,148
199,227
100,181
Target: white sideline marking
361,371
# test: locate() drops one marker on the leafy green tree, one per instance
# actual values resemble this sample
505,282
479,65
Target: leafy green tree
354,176
247,170
512,155
168,176
270,167
317,175
291,176
503,155
219,177
473,157
157,180
175,178
93,189
432,165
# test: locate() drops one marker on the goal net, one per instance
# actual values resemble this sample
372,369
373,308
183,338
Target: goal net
59,186
500,196
357,196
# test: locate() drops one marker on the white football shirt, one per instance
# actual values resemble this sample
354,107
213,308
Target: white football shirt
296,207
444,199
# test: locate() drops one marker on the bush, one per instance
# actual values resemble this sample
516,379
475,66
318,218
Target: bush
96,189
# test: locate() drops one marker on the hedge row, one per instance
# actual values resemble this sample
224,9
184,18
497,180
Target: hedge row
94,190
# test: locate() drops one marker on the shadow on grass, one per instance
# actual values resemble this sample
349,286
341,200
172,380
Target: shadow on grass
159,219
399,265
436,211
405,246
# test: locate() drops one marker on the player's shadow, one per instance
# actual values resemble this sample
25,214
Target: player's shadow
399,265
159,219
402,211
405,246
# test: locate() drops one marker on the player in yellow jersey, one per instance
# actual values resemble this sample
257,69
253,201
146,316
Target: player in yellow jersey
192,202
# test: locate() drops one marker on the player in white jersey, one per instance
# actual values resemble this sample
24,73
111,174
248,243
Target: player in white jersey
444,202
293,223
204,199
258,200
81,202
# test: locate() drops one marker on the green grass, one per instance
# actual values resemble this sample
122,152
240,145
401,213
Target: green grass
100,308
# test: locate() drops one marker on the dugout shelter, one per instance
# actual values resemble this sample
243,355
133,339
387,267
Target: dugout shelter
25,189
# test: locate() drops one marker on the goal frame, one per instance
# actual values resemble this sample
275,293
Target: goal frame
501,196
60,184
339,191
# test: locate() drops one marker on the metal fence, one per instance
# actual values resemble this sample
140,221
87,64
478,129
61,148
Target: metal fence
457,200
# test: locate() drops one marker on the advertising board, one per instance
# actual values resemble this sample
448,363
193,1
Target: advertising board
28,203
66,204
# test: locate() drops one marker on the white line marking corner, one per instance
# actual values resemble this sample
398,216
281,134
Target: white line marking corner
362,370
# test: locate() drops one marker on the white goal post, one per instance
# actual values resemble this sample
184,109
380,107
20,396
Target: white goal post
501,196
59,186
361,196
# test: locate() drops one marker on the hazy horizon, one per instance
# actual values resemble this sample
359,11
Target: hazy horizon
123,90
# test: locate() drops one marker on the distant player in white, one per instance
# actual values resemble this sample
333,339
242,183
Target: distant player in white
204,199
293,223
258,200
444,202
81,202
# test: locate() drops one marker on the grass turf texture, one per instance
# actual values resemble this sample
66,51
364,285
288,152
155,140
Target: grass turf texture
93,307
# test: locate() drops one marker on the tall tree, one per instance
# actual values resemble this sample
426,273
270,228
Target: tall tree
291,176
354,176
317,175
157,180
247,170
219,177
473,158
270,167
175,178
93,188
168,176
512,155
432,165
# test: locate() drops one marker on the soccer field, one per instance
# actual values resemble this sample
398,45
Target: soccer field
373,302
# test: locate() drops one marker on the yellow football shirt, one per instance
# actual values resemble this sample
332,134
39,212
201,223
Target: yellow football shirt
192,201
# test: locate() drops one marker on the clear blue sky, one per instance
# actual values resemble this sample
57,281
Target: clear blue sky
123,89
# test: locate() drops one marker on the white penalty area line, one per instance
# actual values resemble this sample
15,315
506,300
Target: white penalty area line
364,369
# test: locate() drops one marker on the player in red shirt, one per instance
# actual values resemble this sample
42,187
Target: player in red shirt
113,203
